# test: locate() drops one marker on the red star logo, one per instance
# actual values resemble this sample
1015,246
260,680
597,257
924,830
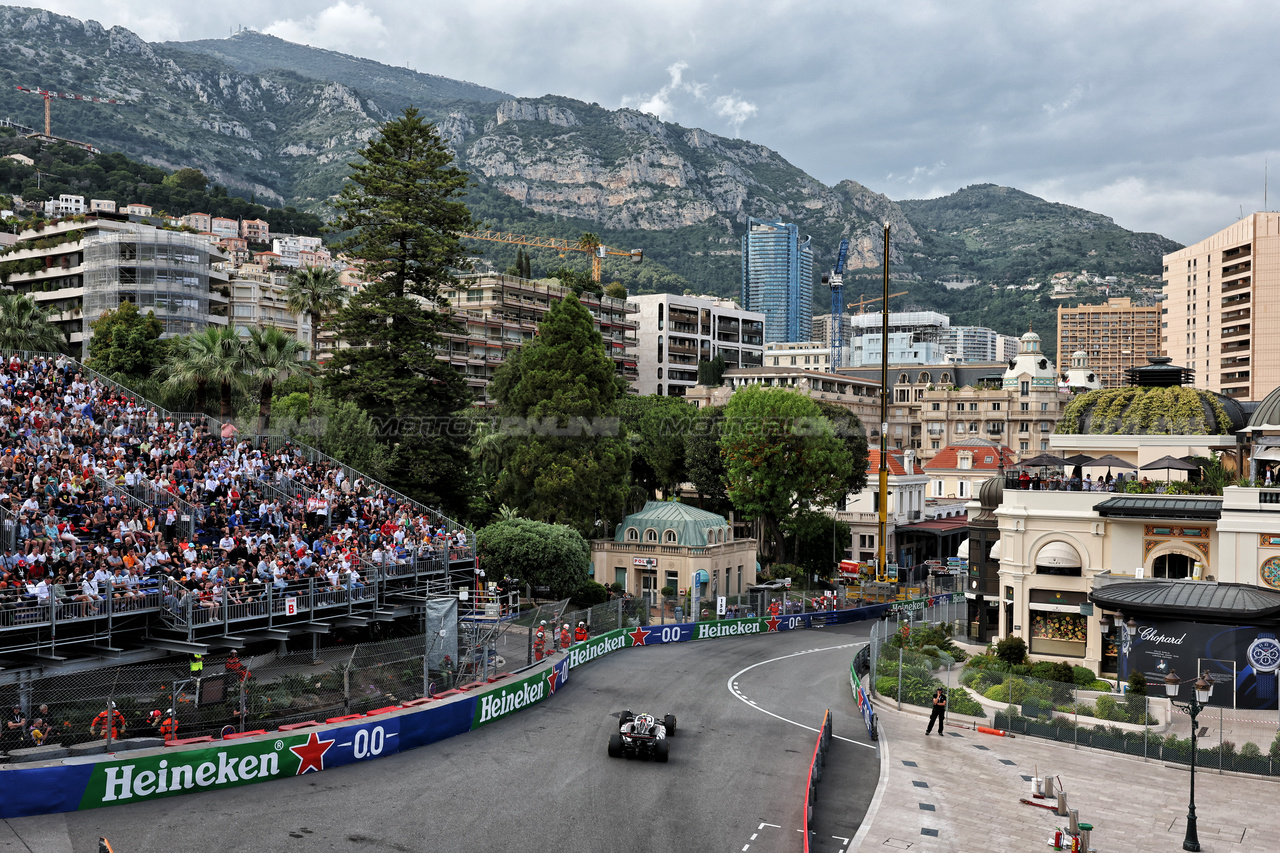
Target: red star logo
552,677
773,622
312,753
639,635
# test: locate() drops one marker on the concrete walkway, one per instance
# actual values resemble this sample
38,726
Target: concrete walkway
961,793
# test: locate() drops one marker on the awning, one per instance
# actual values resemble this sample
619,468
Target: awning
1155,506
1058,555
1267,454
700,576
963,551
995,550
1197,600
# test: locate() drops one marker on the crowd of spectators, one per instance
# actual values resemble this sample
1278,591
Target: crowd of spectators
1074,482
95,484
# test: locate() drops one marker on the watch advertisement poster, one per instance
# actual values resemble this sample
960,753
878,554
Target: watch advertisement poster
1243,661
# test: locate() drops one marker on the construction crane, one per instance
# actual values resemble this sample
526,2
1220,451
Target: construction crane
836,281
48,96
596,250
861,303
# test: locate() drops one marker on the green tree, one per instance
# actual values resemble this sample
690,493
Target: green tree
339,428
817,541
126,343
781,457
402,205
212,356
24,325
314,291
542,555
616,289
187,179
711,373
270,356
703,460
566,462
849,429
578,282
656,428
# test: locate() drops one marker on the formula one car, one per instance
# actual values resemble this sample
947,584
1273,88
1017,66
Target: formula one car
642,736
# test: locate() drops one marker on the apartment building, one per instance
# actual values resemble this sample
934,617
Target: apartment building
198,221
977,345
915,337
777,279
104,205
499,313
224,226
81,270
806,355
860,396
1115,336
676,332
255,231
64,205
1218,294
292,247
256,297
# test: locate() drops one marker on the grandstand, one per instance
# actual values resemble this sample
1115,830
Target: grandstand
129,531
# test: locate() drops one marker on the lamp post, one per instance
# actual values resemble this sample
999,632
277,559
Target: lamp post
1203,690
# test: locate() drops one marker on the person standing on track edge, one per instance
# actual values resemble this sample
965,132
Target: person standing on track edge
540,643
939,714
566,639
580,634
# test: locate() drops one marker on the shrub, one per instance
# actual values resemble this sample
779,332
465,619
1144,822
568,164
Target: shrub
887,685
1033,707
1105,686
984,661
1043,670
1250,750
1275,747
961,702
1137,684
1012,650
1013,691
1082,675
1106,708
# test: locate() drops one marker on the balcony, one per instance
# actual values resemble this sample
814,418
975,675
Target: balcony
1235,331
1238,284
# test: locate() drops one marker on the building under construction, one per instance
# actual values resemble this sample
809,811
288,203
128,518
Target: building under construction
915,337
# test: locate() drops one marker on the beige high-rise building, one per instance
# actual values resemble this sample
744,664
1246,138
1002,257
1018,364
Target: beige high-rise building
1219,296
1115,337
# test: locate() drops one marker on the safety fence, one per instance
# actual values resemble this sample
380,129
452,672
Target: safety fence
816,765
315,745
861,664
249,694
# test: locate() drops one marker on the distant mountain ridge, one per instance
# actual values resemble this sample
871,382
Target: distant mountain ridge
279,122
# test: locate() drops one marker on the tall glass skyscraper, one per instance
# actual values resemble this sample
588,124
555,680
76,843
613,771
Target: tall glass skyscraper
777,279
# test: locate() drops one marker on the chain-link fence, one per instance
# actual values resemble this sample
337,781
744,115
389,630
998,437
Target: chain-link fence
262,692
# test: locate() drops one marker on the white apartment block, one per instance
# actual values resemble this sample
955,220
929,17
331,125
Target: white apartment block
677,332
290,248
64,205
806,355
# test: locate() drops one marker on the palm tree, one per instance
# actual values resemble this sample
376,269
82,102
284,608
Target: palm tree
212,356
314,291
271,356
24,325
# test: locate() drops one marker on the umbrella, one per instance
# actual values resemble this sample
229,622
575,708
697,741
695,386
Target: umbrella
1044,460
1169,463
1077,460
1110,461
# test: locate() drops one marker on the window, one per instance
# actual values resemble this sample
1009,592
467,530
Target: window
669,537
633,535
973,407
995,407
793,361
661,310
962,488
1024,407
959,407
935,407
964,462
1024,388
933,445
1045,426
659,389
1044,407
651,535
659,347
946,378
987,460
1022,445
902,379
973,427
659,372
939,488
1024,427
923,379
866,540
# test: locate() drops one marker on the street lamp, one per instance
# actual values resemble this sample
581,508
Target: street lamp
1203,690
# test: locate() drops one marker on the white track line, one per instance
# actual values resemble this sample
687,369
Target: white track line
733,688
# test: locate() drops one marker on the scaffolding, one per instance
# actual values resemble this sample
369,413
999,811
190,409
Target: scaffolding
167,272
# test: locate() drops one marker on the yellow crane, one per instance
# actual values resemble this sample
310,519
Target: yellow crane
587,244
67,96
862,303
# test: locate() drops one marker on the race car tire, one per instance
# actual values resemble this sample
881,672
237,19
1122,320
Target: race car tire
625,717
615,746
669,723
661,751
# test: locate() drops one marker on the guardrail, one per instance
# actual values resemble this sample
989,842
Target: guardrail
816,763
862,662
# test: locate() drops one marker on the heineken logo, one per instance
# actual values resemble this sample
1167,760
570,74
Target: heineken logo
311,753
710,630
589,651
499,703
129,781
639,635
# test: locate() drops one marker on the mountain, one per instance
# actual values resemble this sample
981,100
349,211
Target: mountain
278,123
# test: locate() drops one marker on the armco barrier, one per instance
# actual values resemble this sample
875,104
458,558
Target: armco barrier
816,763
154,773
863,698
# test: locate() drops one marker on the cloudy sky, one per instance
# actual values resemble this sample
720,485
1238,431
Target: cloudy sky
1159,114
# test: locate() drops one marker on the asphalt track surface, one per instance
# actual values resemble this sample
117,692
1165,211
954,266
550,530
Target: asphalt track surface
748,711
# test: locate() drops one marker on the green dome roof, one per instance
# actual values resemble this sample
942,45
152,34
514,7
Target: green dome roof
689,524
1143,410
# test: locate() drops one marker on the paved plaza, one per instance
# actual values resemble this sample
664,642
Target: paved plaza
962,792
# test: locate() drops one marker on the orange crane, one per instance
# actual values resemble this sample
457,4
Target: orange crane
596,250
862,303
48,96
